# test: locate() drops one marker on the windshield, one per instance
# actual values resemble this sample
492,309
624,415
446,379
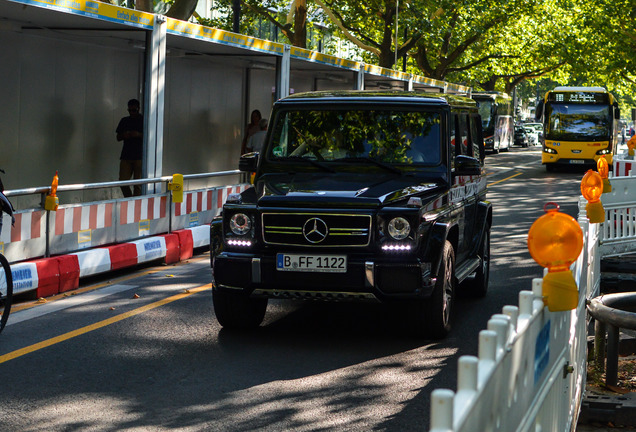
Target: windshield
389,136
485,111
578,122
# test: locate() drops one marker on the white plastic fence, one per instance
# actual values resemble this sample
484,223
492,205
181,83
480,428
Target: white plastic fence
618,234
530,371
531,368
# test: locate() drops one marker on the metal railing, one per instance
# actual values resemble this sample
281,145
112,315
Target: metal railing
612,313
44,190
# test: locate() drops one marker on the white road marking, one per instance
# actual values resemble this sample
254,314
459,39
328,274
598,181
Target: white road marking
66,303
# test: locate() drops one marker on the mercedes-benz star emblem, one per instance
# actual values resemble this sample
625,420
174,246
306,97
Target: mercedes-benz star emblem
315,230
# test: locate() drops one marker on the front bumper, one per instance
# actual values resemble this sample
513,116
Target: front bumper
366,278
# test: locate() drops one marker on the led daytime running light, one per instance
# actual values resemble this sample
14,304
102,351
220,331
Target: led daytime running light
396,247
244,243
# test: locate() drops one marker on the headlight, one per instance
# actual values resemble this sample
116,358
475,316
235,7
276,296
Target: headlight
603,152
399,228
240,224
549,150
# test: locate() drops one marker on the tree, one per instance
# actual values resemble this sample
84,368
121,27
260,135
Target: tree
371,26
294,27
460,35
538,43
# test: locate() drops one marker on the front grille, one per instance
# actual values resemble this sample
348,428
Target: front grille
316,229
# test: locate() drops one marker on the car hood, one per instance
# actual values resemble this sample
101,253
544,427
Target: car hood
343,190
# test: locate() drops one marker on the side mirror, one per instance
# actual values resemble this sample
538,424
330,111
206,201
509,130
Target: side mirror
248,162
467,166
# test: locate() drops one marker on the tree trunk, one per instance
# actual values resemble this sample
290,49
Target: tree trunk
182,9
300,25
144,5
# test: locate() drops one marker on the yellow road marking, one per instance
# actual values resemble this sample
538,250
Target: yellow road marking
502,180
100,324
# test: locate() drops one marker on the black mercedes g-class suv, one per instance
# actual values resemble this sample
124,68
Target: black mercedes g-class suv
363,196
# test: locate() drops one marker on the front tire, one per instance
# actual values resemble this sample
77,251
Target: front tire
478,287
432,317
237,310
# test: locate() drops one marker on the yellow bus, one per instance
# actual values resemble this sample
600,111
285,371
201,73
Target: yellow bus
580,125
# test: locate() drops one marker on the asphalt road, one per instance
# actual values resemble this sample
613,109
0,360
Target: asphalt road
142,350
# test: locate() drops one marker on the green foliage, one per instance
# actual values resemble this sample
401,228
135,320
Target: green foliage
500,45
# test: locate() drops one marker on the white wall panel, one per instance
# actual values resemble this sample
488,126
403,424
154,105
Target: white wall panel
61,105
203,113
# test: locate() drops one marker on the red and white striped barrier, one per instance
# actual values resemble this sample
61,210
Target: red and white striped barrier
137,210
73,219
50,276
622,167
27,226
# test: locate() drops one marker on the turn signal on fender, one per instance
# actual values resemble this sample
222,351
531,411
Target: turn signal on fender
51,202
592,189
603,169
555,241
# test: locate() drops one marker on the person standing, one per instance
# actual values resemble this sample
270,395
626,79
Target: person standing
255,142
252,127
130,131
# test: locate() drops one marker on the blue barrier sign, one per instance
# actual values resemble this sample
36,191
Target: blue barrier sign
541,352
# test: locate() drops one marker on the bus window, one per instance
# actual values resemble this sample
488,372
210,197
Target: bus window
453,132
475,137
463,134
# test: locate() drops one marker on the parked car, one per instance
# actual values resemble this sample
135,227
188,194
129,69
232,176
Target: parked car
521,136
538,128
358,196
533,135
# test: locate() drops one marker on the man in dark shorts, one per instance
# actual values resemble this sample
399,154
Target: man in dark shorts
130,130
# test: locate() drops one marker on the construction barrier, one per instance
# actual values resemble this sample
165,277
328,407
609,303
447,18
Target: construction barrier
530,373
94,238
54,275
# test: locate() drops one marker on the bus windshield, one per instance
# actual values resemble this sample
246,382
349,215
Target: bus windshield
389,136
487,117
578,122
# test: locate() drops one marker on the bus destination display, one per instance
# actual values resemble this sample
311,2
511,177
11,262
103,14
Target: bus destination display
579,97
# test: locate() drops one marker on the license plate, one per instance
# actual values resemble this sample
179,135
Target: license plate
577,161
311,263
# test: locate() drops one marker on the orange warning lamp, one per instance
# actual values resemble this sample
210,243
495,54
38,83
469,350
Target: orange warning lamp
555,241
592,189
603,169
51,202
630,145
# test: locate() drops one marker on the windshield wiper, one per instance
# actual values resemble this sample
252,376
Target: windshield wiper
376,162
311,161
